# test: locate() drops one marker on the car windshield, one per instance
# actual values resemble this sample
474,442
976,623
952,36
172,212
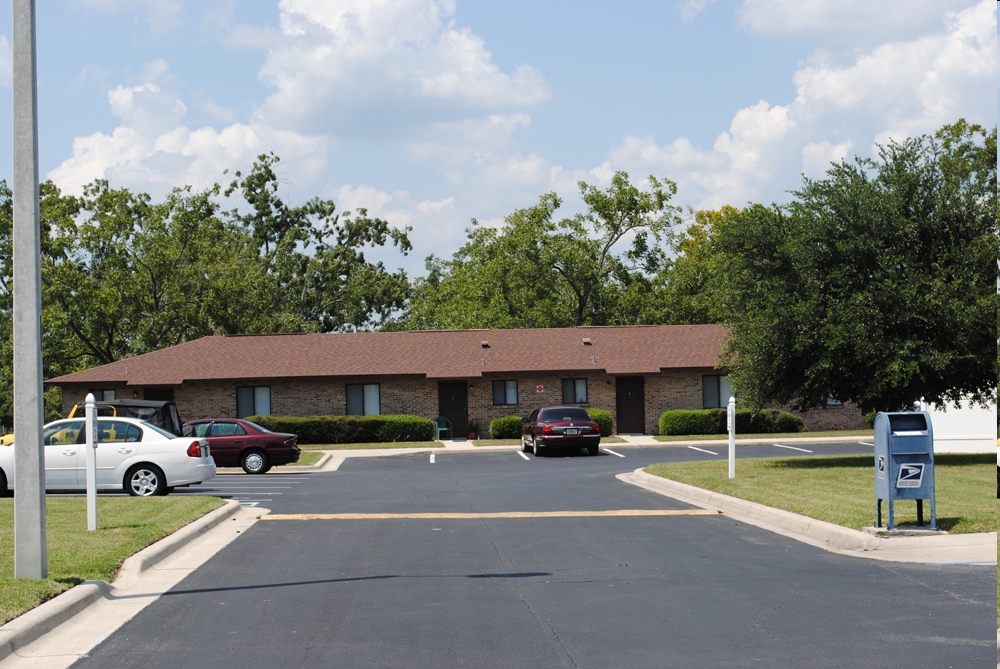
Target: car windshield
566,413
262,429
158,430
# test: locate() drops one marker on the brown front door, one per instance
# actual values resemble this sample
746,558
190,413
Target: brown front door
453,404
631,404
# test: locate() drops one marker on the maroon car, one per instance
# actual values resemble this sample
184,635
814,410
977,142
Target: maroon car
570,427
234,442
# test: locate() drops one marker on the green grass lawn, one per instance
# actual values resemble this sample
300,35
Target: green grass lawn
841,489
126,526
380,444
780,435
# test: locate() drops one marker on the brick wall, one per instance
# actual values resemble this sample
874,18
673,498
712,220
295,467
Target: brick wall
672,389
846,417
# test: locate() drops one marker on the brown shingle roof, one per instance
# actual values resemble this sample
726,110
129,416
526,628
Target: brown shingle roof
436,354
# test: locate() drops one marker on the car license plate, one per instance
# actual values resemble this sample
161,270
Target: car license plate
572,430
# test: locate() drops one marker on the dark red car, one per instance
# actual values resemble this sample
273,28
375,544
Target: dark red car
234,442
569,427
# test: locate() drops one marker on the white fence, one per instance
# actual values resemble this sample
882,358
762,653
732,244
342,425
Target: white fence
971,429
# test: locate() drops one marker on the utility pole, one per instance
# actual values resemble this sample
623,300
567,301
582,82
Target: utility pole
30,550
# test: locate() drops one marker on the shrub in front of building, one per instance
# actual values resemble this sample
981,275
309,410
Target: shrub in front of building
350,429
604,419
506,428
713,421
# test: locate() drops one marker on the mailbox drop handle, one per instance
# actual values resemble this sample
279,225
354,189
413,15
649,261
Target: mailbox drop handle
920,512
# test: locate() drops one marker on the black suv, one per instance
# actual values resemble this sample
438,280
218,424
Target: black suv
160,414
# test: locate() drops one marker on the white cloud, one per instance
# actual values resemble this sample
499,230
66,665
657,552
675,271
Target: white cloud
432,207
817,156
892,91
846,23
386,68
689,9
153,150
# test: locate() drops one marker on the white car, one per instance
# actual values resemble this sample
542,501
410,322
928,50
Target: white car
131,454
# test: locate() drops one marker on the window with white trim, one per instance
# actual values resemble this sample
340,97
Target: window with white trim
574,391
253,401
505,392
363,399
716,389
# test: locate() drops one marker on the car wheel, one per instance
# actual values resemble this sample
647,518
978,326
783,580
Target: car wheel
535,448
145,481
592,450
255,462
524,445
4,492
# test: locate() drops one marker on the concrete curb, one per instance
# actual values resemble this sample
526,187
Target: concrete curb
977,548
44,618
816,532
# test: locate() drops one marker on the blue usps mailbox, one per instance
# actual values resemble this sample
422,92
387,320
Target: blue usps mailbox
904,463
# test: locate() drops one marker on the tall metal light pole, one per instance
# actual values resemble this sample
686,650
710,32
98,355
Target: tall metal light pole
30,550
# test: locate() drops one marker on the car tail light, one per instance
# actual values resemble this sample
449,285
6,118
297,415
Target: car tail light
547,428
194,450
290,442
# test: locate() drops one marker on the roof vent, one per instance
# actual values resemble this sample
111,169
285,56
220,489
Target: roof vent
484,344
586,341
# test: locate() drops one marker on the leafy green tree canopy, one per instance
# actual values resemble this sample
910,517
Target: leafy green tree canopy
535,271
876,285
123,275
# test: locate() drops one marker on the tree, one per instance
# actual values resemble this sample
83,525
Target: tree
536,272
123,275
334,287
876,285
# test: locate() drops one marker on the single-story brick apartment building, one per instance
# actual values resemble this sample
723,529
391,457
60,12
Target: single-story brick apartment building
636,372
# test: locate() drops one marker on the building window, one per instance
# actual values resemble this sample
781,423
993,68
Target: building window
505,392
363,400
574,391
715,391
103,395
253,401
158,394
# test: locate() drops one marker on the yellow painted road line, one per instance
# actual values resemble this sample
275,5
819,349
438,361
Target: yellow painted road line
480,516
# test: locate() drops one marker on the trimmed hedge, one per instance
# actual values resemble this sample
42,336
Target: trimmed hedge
604,419
713,421
506,428
350,429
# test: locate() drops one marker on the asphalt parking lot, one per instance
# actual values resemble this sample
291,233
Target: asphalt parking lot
519,590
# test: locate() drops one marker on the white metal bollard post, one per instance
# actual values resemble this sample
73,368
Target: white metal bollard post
731,424
91,446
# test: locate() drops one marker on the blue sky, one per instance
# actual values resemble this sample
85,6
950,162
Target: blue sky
431,112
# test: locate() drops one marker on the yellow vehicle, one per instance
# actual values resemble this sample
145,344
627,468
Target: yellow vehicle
161,414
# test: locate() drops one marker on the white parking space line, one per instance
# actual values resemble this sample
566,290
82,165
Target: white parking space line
793,448
521,453
608,450
432,458
693,448
865,443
